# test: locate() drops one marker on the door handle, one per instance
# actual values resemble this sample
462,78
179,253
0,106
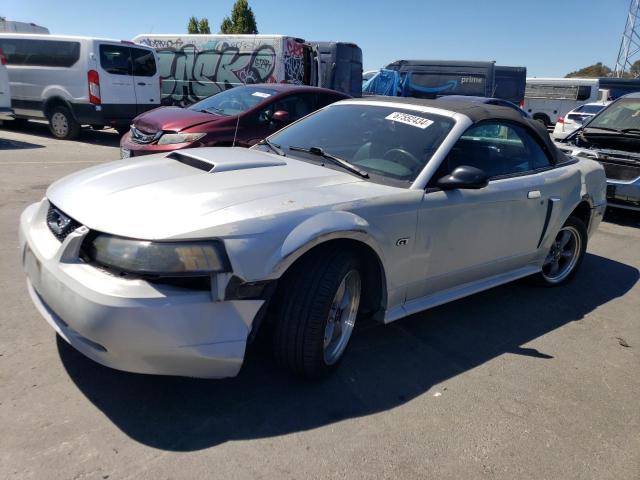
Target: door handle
142,84
533,194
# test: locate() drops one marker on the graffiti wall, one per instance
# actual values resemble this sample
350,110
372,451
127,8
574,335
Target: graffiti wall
193,67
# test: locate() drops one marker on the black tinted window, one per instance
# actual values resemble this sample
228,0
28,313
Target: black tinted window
42,53
115,59
584,92
325,99
497,149
298,106
144,62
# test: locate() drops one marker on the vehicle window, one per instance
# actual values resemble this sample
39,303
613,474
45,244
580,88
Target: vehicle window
325,99
41,53
558,91
298,106
390,142
621,115
497,149
233,101
584,92
144,62
592,109
115,59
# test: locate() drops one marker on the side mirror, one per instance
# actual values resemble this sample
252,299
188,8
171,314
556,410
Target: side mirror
280,116
465,177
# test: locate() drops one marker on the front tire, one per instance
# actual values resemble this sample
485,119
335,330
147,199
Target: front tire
565,256
320,304
62,124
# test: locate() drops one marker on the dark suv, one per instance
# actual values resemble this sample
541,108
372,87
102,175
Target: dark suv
241,116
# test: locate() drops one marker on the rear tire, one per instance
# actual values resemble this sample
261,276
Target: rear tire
62,124
320,304
566,255
543,119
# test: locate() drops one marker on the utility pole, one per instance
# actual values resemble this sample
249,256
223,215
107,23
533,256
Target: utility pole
630,44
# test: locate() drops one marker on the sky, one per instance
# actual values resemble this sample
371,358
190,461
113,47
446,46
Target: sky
549,37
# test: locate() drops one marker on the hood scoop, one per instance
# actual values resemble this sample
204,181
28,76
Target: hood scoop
225,159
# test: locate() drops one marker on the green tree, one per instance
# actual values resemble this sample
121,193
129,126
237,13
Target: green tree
592,71
635,69
241,21
193,25
203,26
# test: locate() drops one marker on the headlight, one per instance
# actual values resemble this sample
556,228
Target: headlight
168,138
158,258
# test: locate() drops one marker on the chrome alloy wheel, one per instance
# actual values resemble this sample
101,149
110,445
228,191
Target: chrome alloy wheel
563,256
342,317
60,124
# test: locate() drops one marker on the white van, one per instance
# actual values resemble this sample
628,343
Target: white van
20,27
546,99
74,81
5,90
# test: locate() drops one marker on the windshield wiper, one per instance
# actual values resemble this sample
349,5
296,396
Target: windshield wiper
607,129
272,146
630,130
319,152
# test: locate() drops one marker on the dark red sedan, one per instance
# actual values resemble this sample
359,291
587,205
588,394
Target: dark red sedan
242,116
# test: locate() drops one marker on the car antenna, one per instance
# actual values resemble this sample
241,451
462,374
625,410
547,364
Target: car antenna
235,133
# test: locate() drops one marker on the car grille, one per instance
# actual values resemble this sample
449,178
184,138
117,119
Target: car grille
140,136
60,224
616,171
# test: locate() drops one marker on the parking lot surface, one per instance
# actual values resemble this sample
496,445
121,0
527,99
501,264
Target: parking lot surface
516,382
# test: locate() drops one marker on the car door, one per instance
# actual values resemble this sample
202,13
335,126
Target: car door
261,125
116,76
14,59
145,78
467,235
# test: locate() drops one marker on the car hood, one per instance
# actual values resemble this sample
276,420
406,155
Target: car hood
172,196
174,119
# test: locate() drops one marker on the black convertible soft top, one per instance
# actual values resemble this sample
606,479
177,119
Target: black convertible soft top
478,112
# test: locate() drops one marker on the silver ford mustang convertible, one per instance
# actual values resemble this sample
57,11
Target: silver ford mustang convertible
371,208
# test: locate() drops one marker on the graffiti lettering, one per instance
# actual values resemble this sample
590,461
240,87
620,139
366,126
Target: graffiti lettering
192,69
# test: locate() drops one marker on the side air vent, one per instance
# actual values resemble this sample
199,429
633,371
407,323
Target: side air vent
191,161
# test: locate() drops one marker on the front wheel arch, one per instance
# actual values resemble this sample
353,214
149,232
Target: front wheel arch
374,300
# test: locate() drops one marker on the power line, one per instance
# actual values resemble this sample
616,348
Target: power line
630,44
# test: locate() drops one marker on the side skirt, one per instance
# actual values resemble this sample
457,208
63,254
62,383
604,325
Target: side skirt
439,298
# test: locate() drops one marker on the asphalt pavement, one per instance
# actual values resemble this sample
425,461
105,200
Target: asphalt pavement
513,383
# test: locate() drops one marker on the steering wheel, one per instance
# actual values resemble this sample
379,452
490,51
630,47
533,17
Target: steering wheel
403,157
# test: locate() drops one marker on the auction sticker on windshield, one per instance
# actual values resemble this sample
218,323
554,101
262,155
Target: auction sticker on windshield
408,119
261,94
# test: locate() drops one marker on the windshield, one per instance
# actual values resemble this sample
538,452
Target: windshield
386,141
621,115
234,101
591,109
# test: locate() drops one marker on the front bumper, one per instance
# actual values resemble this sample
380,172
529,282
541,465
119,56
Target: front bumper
130,325
109,114
6,113
621,194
